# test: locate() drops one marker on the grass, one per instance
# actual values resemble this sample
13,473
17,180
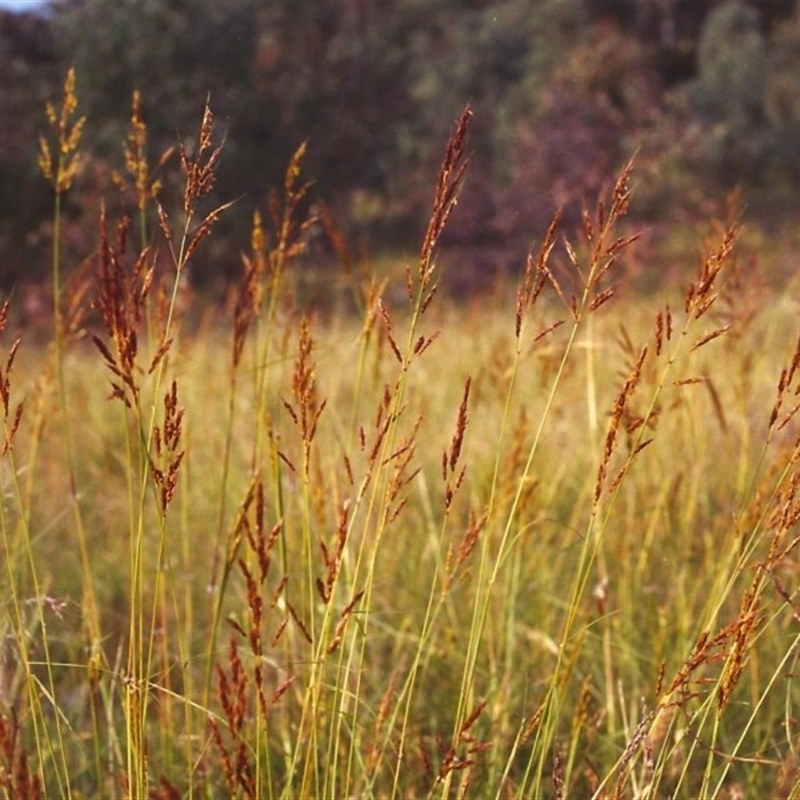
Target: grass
542,543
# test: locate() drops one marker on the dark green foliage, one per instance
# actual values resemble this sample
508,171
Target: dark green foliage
738,117
727,96
782,105
732,67
563,93
29,67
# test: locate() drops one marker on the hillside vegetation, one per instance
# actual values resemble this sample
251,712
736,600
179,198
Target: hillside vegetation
538,543
564,91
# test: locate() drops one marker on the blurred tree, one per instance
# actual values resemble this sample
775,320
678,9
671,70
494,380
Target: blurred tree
588,124
783,87
502,59
732,61
782,103
564,128
30,69
336,73
176,53
727,98
673,28
563,92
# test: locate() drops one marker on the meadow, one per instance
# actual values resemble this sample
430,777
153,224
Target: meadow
542,542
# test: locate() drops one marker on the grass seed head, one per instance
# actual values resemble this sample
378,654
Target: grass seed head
448,186
68,133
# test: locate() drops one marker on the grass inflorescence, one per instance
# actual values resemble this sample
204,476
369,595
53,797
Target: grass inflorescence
540,545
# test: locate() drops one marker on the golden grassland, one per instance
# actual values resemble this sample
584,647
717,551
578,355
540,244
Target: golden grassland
541,543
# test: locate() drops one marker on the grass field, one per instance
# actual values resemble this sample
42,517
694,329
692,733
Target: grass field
539,543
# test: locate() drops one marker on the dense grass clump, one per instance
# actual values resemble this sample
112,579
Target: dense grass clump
539,544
